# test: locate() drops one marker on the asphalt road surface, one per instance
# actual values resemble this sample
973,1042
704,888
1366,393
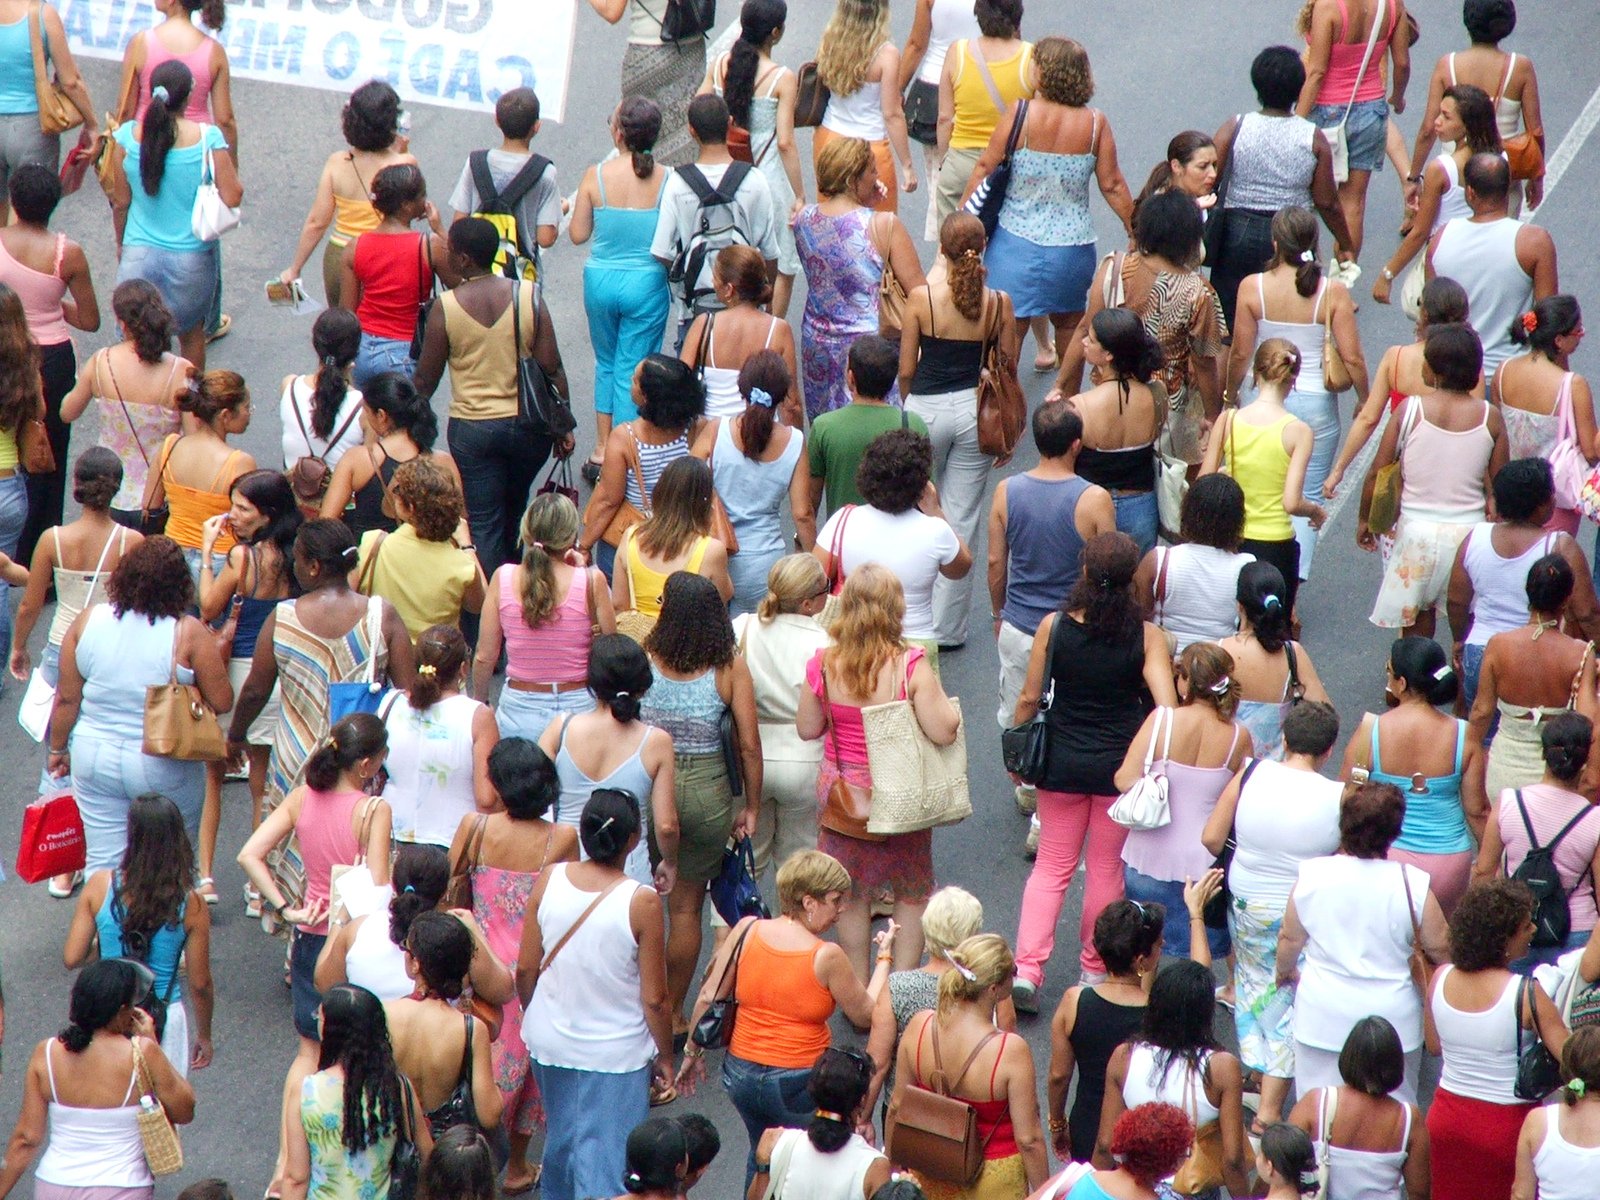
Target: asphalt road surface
1160,66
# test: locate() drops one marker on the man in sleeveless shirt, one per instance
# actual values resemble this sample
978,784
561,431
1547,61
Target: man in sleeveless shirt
1504,264
1037,527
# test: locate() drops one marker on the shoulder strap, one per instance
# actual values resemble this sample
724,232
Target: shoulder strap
339,432
782,1155
523,182
578,924
466,1049
1511,65
482,178
986,76
1163,561
1378,15
299,418
472,852
950,1085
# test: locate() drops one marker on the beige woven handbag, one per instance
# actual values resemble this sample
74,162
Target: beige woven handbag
915,784
162,1150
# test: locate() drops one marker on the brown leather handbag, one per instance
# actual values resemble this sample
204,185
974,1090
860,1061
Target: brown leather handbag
178,723
458,894
627,514
847,807
933,1132
35,454
1002,406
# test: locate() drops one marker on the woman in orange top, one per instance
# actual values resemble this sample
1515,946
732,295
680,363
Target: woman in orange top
195,471
788,982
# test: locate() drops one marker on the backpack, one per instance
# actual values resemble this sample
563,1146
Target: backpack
1551,917
716,226
684,19
310,475
517,257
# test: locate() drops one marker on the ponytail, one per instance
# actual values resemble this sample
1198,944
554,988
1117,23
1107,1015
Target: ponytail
358,736
441,657
170,85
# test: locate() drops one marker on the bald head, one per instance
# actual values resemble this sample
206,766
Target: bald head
1487,178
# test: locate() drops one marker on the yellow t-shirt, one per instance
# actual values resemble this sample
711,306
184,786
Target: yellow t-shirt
423,580
976,114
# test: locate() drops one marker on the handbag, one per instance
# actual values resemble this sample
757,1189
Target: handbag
1202,1170
1383,513
57,113
1145,804
891,294
1538,1072
178,723
1337,138
847,808
935,1133
734,892
921,105
1522,151
1568,466
1411,289
458,1107
458,893
811,97
350,885
541,409
830,606
628,514
1025,748
714,1029
38,702
361,695
212,216
558,481
1327,1110
425,305
310,475
162,1150
916,785
1002,406
630,621
1215,912
989,197
1336,375
728,740
1214,237
1421,968
52,841
35,454
405,1161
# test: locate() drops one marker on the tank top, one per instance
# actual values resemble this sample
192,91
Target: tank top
690,710
1181,1086
622,236
430,767
945,364
1260,465
783,1009
365,511
77,590
557,650
1482,257
1534,434
858,114
192,507
374,962
1344,80
723,398
1307,337
1196,602
630,775
1499,585
813,1175
93,1148
1564,1171
1044,550
753,491
1453,201
1125,469
253,610
975,112
1100,702
326,833
165,946
653,459
198,60
1480,1048
17,92
1450,490
1434,823
1274,159
1174,852
646,583
995,1130
1099,1029
395,278
1366,1174
483,359
1508,112
40,293
951,19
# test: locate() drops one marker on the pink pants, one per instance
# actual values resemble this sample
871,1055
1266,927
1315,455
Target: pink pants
1067,822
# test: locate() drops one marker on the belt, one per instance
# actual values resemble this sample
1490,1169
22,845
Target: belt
554,689
7,472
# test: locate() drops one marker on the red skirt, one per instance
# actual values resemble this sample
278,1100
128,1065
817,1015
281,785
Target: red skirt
1478,1133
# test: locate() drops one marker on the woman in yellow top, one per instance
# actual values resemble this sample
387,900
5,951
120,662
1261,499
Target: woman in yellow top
1266,449
371,121
196,470
675,537
981,79
420,568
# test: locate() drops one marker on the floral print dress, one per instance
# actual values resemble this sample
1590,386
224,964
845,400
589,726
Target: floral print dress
844,273
336,1173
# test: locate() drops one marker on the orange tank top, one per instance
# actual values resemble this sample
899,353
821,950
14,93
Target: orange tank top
191,507
783,1009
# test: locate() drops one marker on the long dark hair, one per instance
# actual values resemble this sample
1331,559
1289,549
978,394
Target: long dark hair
20,389
763,371
1177,1020
159,133
421,875
156,874
1105,589
101,991
336,337
758,21
355,1037
274,499
394,394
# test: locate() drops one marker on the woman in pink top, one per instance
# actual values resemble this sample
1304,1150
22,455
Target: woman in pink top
547,610
50,273
210,100
1554,809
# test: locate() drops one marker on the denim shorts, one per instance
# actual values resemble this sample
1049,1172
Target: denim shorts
1366,133
1138,516
1138,886
186,279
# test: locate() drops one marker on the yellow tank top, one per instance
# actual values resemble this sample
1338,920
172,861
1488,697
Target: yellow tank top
351,218
483,360
976,114
647,584
1259,465
8,450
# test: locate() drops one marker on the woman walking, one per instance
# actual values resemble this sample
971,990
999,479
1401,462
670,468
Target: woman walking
860,67
1274,672
663,71
320,413
422,568
675,537
22,138
742,328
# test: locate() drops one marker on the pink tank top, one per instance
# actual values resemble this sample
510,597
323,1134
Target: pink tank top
40,294
1344,62
558,650
197,60
327,840
1450,491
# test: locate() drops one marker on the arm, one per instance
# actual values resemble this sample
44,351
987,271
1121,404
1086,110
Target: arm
1244,340
663,807
1292,940
331,967
1132,767
786,93
945,123
903,259
1458,599
1215,834
610,492
227,178
119,193
748,734
1526,1185
1319,50
1584,607
1419,226
66,70
1491,850
936,716
1063,1061
402,665
1426,137
69,700
490,641
1400,60
257,687
1474,799
530,951
999,554
1365,421
892,105
485,737
216,591
1347,337
32,1123
1108,174
1022,1101
1111,1107
199,989
296,1150
205,659
435,354
1533,122
801,506
485,1095
41,573
1298,437
80,306
916,42
274,828
82,938
581,225
610,10
1038,670
1325,194
1229,1080
222,97
1418,1169
318,219
1216,443
1158,666
917,302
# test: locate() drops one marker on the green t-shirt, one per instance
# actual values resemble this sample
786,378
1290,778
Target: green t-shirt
839,440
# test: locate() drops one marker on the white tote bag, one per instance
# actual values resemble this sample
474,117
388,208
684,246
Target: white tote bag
1145,805
212,216
1337,138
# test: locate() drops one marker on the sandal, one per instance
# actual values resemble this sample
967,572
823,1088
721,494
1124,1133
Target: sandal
224,326
252,902
590,472
1043,364
664,1094
208,890
64,892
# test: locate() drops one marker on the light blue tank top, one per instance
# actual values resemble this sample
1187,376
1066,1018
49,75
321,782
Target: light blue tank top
1434,822
120,657
166,947
753,492
164,220
622,236
17,94
690,710
631,776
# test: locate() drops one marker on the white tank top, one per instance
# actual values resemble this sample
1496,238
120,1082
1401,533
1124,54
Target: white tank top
376,963
1306,336
1507,113
1482,258
1181,1086
858,115
430,768
1199,601
813,1175
723,398
1480,1048
92,1147
1564,1171
1365,1174
1453,203
1499,585
952,20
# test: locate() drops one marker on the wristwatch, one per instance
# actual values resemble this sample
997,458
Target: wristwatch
1388,275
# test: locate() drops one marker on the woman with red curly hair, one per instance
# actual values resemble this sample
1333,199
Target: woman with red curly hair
1148,1144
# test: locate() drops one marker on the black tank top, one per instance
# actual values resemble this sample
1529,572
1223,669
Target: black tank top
946,364
365,511
1100,1028
1129,470
1100,702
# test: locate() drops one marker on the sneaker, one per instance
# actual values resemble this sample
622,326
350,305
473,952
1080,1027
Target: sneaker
1027,800
1031,846
1024,996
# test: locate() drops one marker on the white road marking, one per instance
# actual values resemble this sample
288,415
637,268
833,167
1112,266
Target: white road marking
1568,150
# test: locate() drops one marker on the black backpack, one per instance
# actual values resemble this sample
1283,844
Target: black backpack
1551,918
716,226
685,19
517,258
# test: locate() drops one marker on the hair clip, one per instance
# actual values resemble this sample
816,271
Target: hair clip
1270,602
760,397
1221,685
1577,1087
349,550
159,92
329,360
604,824
624,695
333,743
428,669
1308,256
1442,673
829,1116
965,972
1530,321
409,889
969,252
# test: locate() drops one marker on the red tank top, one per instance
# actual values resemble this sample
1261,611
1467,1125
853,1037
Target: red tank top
395,278
995,1130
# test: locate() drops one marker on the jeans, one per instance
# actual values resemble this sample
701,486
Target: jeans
1471,669
590,1114
529,714
47,494
961,472
766,1098
13,516
1320,410
1246,247
1169,893
1138,516
1364,133
378,355
1069,824
499,466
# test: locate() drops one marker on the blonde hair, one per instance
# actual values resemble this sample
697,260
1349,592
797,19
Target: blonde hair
1209,670
977,964
794,579
809,873
852,39
953,915
840,163
1277,361
867,632
550,528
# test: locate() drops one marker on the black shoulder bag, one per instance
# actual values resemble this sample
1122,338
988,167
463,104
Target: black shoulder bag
541,410
1025,748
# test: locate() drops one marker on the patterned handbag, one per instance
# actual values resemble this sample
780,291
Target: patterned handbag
916,784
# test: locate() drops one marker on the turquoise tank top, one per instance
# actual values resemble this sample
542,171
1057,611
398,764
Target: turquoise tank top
622,236
166,947
1434,822
17,94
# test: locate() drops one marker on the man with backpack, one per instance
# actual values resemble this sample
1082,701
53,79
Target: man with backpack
513,189
706,205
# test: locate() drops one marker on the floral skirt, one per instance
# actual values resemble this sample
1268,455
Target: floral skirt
1000,1179
1262,1015
1417,572
899,868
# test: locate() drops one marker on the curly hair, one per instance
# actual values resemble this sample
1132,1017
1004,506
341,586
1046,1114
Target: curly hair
355,1037
371,117
1104,590
431,497
1486,920
395,187
680,509
895,470
153,580
441,657
1064,73
147,323
441,946
21,390
868,631
961,241
854,34
1151,1141
156,874
1370,816
693,633
1213,513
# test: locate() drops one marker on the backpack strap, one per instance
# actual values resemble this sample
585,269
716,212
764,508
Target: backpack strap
523,182
482,178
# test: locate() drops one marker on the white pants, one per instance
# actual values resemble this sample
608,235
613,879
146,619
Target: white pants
788,820
175,1038
1016,647
961,473
1316,1068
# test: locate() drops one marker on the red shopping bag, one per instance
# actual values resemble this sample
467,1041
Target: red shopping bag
52,838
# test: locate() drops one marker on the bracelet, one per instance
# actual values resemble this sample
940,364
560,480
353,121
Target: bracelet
1058,1125
694,1052
886,957
1388,275
1193,917
1413,178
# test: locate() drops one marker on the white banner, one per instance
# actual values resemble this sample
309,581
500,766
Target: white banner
455,53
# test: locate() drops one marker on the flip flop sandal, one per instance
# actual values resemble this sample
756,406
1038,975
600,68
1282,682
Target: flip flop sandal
208,890
662,1095
522,1189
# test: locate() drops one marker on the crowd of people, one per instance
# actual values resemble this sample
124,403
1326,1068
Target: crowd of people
493,893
